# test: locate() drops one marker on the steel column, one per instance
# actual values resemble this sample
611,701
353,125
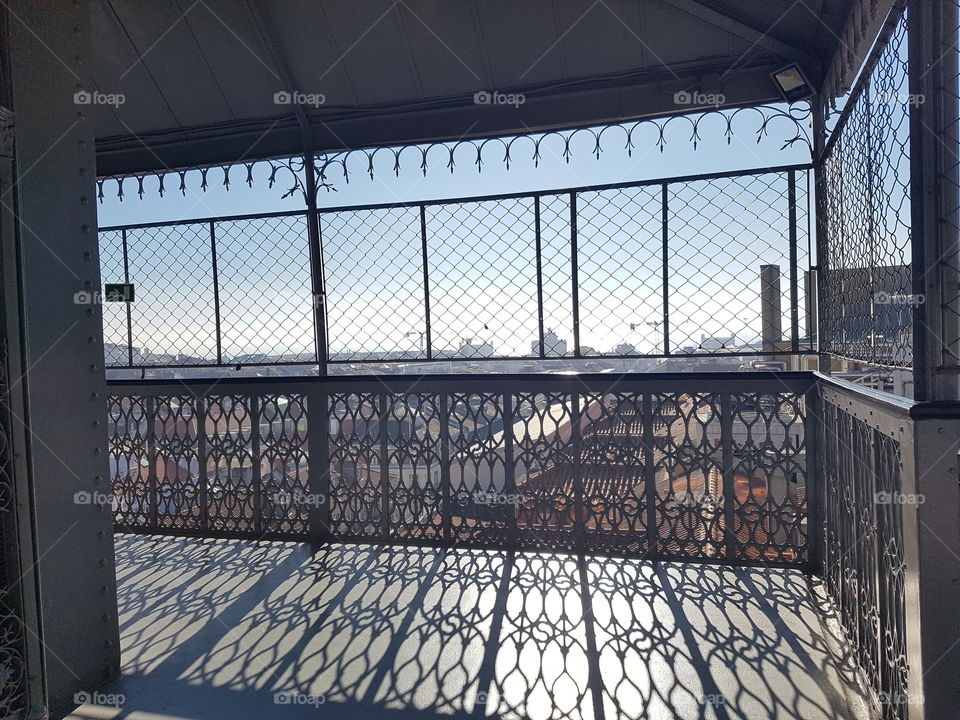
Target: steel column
62,345
934,148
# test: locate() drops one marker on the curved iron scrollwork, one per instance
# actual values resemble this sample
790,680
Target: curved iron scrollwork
795,116
13,674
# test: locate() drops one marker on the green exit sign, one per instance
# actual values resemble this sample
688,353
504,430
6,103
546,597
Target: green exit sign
118,292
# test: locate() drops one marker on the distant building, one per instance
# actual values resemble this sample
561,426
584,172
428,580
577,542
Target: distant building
552,345
470,349
716,342
114,354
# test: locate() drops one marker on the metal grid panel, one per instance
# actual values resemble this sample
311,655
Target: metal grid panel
112,270
482,271
373,264
866,289
620,252
174,312
641,269
263,277
556,281
722,233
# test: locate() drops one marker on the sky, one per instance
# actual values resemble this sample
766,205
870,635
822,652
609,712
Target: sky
481,256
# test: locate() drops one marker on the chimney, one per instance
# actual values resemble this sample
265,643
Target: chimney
771,314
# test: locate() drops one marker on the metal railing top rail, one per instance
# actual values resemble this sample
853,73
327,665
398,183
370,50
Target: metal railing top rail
762,381
798,167
889,403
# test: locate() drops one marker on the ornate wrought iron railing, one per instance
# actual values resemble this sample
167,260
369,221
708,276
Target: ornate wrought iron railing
646,269
14,695
711,467
863,444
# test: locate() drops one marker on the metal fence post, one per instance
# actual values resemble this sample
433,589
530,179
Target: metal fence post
150,407
794,275
665,250
814,495
200,413
446,491
384,468
726,470
256,483
316,263
509,466
650,476
426,282
574,275
539,251
820,227
932,537
318,469
127,306
576,447
934,186
216,291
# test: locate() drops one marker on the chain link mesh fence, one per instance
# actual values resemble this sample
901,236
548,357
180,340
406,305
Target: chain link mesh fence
866,291
711,265
211,292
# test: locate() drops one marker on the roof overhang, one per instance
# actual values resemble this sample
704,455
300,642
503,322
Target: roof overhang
199,81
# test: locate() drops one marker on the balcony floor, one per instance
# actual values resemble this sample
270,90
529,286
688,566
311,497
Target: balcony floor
215,628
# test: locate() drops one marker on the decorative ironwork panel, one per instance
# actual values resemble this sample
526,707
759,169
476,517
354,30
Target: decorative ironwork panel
234,478
356,491
266,308
373,264
483,499
130,467
544,469
601,468
613,462
866,291
285,494
181,480
769,477
482,269
688,475
863,549
13,659
619,248
410,471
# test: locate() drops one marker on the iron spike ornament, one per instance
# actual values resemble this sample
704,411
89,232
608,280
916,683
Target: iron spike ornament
334,166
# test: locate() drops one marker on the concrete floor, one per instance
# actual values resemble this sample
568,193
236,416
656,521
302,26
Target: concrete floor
235,629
